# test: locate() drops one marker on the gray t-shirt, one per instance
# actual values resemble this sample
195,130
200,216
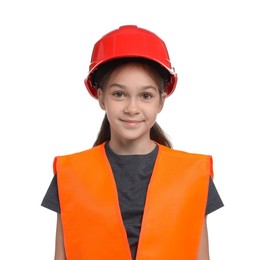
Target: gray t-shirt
132,174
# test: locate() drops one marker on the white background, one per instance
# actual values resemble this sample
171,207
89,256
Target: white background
222,106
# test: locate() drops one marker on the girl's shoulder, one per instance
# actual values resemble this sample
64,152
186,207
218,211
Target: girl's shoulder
183,159
182,153
91,155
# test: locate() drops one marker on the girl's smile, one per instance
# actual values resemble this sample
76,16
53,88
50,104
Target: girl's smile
132,123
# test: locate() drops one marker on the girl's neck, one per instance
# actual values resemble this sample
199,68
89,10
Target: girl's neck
131,147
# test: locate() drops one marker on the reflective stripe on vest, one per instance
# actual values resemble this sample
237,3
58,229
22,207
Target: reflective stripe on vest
173,214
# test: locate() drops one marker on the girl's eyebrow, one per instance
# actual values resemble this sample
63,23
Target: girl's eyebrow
117,85
124,87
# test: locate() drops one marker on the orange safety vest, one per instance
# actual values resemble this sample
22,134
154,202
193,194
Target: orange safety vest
173,214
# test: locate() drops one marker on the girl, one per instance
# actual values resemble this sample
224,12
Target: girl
132,196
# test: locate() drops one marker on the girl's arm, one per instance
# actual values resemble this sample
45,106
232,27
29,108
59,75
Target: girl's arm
59,250
203,251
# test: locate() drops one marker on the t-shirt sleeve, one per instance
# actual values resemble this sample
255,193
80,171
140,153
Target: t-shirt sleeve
51,198
214,201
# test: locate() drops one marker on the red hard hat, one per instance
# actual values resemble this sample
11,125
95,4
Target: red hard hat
130,41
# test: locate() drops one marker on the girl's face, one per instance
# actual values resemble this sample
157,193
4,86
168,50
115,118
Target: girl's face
132,99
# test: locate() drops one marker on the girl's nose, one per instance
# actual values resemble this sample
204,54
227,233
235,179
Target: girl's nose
131,107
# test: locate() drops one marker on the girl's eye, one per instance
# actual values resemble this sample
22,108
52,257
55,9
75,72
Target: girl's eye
118,94
147,96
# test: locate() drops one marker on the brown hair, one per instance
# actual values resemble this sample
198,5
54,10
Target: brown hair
159,74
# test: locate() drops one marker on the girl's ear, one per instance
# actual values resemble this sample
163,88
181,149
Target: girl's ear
163,97
100,96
